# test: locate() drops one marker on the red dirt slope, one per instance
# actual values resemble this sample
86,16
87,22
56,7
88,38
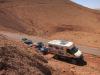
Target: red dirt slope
50,18
17,58
46,17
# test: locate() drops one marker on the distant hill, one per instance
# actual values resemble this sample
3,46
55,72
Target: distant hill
40,17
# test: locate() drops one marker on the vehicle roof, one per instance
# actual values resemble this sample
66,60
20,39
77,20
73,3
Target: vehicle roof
62,43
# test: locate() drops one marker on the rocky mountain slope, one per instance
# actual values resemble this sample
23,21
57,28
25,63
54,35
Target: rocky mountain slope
21,60
16,58
47,17
50,18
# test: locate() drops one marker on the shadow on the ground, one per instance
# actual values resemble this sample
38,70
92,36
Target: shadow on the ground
79,62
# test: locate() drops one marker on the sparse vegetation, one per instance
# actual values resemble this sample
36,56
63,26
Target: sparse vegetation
18,62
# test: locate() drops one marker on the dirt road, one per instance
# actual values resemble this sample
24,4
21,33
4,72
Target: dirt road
18,36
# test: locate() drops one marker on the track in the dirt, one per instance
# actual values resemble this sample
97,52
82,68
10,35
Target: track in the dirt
16,36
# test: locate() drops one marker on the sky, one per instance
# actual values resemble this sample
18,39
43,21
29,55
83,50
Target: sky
94,4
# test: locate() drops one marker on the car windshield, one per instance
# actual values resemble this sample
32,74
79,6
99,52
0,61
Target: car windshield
73,50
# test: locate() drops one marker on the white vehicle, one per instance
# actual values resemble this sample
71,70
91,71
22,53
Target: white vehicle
64,48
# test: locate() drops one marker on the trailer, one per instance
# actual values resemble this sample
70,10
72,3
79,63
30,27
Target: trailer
65,49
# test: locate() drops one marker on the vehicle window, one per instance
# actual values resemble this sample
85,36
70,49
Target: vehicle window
72,51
